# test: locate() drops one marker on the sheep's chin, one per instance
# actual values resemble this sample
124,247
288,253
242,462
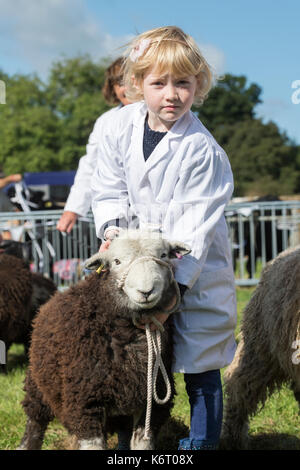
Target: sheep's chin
138,302
142,305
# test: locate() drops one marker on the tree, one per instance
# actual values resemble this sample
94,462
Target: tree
74,95
263,160
229,102
45,127
28,128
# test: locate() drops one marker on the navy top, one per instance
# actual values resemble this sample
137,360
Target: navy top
151,139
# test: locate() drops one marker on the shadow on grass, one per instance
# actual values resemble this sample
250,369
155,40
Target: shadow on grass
274,441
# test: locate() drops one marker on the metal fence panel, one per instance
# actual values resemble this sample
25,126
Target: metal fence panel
56,255
258,231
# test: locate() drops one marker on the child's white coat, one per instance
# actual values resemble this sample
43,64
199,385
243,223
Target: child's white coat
182,189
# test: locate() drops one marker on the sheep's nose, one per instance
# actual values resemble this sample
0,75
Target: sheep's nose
146,293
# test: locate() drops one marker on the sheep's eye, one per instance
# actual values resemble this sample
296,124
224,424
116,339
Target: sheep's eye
163,255
117,261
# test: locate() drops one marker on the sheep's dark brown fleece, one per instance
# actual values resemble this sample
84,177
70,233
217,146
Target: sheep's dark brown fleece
21,294
88,364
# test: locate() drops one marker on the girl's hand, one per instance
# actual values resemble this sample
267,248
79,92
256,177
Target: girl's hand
67,221
10,179
110,235
104,246
14,178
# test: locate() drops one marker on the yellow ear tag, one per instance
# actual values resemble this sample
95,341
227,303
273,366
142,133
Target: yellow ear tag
98,271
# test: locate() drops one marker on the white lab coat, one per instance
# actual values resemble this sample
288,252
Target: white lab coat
80,196
182,188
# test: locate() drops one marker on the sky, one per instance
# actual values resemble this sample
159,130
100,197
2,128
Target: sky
259,39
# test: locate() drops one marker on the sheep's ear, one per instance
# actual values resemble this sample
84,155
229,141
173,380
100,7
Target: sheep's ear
95,261
178,250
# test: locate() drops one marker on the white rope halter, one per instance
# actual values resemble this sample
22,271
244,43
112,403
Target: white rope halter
154,345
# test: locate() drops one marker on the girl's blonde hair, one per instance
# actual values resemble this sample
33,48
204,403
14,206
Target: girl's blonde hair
169,49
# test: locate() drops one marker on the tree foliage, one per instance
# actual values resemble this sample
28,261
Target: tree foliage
45,126
263,159
229,102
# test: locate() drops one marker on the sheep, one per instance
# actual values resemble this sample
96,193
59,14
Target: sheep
88,359
21,294
268,352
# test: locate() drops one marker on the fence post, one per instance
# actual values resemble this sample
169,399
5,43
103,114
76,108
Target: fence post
2,92
295,236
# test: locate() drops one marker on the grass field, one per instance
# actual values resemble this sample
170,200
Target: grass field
276,426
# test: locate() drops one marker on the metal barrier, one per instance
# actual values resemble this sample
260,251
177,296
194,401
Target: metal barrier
258,231
56,255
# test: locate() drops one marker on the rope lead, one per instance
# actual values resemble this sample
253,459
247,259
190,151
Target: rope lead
154,348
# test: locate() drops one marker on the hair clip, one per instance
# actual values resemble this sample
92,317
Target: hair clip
139,49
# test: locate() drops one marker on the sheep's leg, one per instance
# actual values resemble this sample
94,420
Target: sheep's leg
87,424
138,441
95,443
235,423
246,384
33,436
38,417
124,432
235,426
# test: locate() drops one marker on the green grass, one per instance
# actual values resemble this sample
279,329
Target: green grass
276,426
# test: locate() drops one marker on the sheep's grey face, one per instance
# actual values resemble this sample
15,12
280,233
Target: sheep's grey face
146,280
143,281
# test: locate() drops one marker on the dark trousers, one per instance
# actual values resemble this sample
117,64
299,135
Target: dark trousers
206,400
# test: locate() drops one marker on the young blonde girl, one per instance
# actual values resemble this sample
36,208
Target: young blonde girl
158,165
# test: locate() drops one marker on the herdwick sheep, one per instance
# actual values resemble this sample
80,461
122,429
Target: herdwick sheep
268,353
88,359
21,295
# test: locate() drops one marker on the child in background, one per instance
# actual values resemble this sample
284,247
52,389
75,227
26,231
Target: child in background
5,204
79,199
157,162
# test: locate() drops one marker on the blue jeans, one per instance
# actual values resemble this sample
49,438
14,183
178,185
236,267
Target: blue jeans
206,400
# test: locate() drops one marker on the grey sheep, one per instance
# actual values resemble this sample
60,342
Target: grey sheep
268,353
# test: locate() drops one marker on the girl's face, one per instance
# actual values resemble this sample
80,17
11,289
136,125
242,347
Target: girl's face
167,98
120,94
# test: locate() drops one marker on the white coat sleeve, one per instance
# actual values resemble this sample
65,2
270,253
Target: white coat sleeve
110,201
80,197
202,191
